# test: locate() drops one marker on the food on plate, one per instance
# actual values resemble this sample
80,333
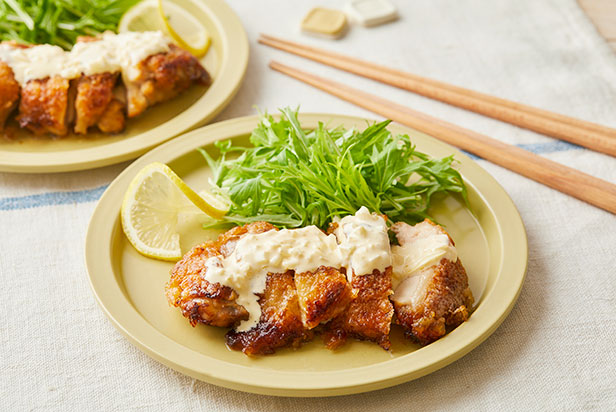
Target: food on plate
430,284
59,22
327,239
364,239
161,77
98,83
9,93
276,288
154,200
292,177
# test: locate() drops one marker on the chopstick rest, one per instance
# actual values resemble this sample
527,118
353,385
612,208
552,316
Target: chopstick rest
322,22
372,12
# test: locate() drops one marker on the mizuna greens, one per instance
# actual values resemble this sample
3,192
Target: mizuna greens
59,22
294,178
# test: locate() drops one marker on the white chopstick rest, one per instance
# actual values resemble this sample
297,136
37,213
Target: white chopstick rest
372,12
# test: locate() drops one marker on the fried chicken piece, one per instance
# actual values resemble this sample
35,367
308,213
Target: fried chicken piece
94,95
368,316
43,106
280,324
9,93
435,295
323,295
200,300
113,119
162,77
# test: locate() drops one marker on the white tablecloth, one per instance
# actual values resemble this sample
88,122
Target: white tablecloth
555,350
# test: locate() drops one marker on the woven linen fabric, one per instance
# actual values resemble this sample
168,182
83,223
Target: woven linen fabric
555,350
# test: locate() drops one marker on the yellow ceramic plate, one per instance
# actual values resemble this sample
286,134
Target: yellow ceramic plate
130,288
226,61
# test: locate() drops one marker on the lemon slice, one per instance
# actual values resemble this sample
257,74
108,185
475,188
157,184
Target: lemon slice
144,16
185,29
152,203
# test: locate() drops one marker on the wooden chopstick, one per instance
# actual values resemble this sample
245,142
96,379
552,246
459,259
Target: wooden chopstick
590,135
580,185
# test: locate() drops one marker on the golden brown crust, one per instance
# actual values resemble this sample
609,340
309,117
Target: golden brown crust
9,93
43,106
447,303
323,295
94,93
368,316
198,299
113,119
162,77
280,324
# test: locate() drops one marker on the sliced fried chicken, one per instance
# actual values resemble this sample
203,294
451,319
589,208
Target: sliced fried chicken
43,106
113,119
368,316
200,300
94,94
163,76
431,291
323,295
280,324
9,93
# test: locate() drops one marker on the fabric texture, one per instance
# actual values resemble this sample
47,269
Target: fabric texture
555,350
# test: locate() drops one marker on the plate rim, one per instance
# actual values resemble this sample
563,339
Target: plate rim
230,74
245,379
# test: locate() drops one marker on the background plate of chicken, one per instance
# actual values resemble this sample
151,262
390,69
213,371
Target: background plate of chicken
73,122
489,238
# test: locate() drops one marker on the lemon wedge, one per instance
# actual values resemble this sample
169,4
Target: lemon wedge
185,29
150,209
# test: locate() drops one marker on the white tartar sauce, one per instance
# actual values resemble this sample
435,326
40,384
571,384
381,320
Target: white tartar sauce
421,247
364,243
361,247
111,53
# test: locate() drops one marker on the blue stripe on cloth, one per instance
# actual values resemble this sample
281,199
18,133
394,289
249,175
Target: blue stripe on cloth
92,195
539,148
52,198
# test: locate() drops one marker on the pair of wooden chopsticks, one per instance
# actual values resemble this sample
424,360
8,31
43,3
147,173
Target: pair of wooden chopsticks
567,180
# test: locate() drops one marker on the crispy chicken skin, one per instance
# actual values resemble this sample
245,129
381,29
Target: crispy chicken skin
94,94
9,93
446,296
369,315
280,324
199,300
323,295
162,77
202,301
43,106
113,119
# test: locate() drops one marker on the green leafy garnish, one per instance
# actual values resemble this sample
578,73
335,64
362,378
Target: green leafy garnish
294,178
59,22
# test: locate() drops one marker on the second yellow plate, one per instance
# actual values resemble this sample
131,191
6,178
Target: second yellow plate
491,242
226,62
